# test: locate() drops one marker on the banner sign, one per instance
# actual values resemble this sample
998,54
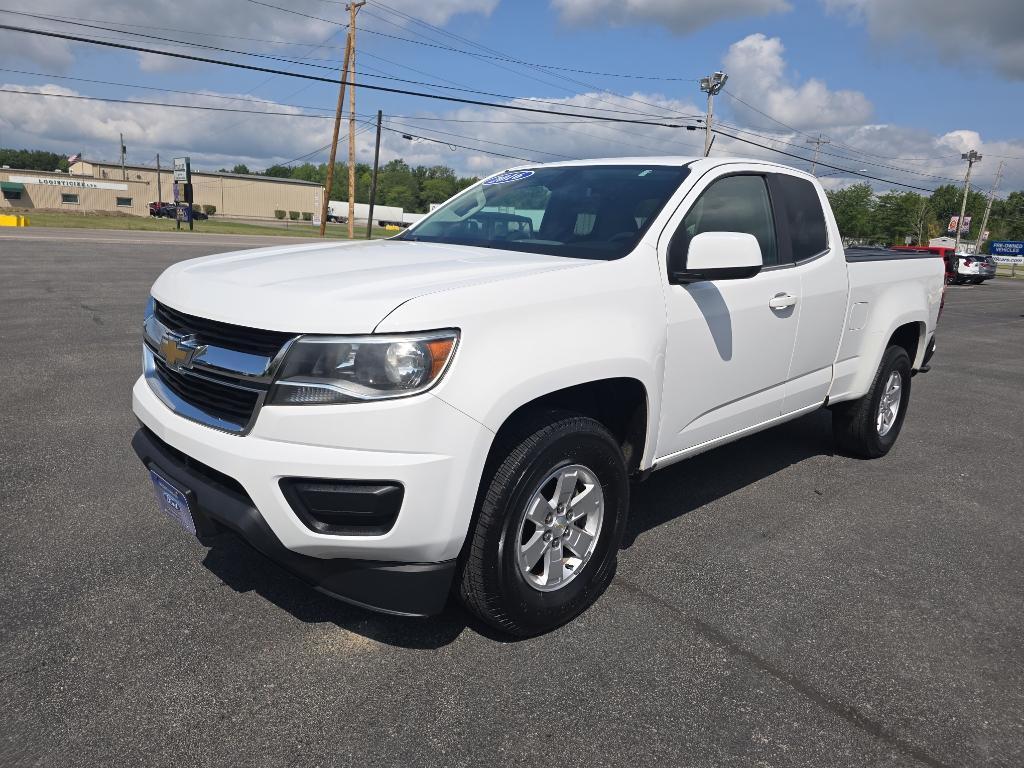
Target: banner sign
1008,259
1006,248
964,229
77,183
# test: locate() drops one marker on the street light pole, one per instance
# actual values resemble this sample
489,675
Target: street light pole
712,85
971,157
988,208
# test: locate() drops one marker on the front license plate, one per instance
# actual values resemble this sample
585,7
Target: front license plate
173,502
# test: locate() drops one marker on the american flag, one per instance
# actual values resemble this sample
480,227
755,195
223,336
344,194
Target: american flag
74,158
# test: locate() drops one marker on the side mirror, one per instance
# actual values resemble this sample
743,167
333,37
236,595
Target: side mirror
720,256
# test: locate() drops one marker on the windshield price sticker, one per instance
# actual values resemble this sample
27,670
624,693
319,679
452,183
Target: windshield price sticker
505,178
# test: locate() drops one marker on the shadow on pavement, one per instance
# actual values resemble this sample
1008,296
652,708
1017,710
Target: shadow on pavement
246,570
702,479
667,495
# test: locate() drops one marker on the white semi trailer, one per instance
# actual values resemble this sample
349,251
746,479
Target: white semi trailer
337,210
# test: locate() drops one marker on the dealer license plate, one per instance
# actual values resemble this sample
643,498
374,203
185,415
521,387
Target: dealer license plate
173,502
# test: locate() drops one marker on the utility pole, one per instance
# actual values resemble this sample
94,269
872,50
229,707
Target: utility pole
988,208
159,194
353,9
124,151
920,220
373,180
817,146
712,85
971,157
334,138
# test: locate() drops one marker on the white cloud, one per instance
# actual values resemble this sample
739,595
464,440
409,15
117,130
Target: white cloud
223,23
218,139
678,16
213,138
985,30
757,73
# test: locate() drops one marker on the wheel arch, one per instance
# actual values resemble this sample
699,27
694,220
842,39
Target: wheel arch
621,404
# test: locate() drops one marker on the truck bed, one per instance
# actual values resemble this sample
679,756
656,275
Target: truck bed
862,253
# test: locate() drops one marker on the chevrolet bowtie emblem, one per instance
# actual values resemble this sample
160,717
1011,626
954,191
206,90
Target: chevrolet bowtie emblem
179,350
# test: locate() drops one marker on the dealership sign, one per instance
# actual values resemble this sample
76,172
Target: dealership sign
47,181
183,169
1006,248
1007,251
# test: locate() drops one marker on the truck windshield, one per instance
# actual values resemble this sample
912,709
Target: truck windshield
582,211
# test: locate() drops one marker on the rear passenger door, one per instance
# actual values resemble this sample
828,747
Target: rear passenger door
820,268
729,342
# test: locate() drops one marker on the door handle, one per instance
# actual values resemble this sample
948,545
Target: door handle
782,301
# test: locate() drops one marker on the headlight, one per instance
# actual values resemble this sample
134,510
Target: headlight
319,370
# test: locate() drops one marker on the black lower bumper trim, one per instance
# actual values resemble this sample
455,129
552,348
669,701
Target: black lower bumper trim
404,589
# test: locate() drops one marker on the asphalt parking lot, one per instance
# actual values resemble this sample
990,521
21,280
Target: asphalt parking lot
775,604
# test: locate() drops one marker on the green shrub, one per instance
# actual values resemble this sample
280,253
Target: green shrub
209,210
293,215
279,214
307,216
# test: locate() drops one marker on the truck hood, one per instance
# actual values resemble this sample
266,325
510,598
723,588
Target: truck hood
334,287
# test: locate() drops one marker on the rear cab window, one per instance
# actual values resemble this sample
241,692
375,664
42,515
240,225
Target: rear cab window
799,216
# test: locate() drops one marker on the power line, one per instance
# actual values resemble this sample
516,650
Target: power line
331,68
458,146
500,57
750,106
842,157
381,88
199,107
489,141
824,165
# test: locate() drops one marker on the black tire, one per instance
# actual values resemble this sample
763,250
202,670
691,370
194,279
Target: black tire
491,584
853,423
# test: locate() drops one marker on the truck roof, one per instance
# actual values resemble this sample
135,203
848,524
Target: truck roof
655,160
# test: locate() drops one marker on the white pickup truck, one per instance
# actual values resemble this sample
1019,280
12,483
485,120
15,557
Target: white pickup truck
461,408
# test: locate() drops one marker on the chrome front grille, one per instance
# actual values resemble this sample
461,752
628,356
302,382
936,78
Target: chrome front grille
253,341
221,399
215,373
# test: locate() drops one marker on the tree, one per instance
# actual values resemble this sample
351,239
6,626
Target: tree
398,186
898,215
853,207
33,160
240,168
945,202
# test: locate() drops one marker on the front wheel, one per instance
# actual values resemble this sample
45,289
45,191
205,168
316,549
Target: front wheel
867,428
549,523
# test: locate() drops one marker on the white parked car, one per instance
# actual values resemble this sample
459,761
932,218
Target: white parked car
461,408
975,268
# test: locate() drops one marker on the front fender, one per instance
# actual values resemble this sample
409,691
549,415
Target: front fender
525,338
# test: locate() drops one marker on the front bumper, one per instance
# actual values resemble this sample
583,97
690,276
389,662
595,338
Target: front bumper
407,589
434,451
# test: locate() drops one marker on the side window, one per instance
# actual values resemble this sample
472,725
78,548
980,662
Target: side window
805,221
731,204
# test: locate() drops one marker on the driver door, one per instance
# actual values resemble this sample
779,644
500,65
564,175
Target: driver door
730,341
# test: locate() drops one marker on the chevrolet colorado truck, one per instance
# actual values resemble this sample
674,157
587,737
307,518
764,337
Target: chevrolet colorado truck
460,409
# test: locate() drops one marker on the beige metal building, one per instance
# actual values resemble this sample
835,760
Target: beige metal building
96,186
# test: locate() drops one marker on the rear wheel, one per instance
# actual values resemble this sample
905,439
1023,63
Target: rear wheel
868,427
549,523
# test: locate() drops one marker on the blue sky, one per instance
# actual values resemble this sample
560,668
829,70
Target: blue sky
907,84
